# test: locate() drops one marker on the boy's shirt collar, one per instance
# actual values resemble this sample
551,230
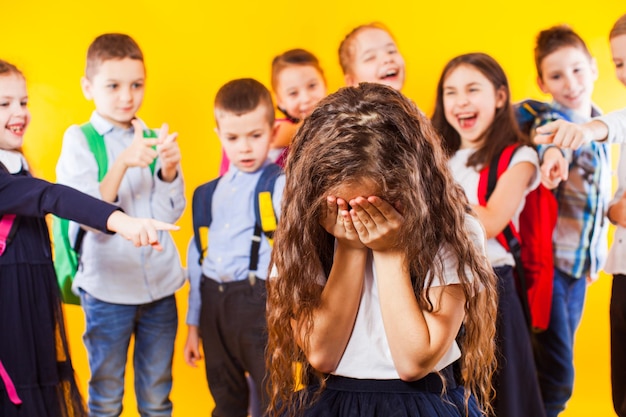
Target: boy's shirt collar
104,127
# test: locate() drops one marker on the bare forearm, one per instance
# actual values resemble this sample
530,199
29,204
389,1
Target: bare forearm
417,339
334,319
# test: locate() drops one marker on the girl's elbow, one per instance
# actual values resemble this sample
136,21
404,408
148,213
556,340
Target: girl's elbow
413,372
322,362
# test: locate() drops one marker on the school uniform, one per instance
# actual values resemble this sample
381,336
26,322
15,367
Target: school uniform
33,343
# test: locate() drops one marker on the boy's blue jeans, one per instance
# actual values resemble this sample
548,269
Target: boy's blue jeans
109,328
554,348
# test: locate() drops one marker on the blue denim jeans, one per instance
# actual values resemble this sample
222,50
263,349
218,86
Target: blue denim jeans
109,328
554,348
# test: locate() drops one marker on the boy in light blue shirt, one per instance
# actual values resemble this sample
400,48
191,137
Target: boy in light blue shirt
227,303
126,291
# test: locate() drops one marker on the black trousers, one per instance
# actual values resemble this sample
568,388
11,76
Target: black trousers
233,329
618,344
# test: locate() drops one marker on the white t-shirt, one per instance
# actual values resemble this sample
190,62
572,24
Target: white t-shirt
367,355
468,178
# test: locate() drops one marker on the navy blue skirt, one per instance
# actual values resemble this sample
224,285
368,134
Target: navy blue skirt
348,397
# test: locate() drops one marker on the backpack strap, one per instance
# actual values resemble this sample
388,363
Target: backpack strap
201,215
8,224
509,238
265,217
97,148
9,386
6,231
489,175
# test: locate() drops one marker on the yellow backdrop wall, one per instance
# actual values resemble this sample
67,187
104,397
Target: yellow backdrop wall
193,47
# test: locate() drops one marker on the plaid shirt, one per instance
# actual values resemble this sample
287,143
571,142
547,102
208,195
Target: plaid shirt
580,236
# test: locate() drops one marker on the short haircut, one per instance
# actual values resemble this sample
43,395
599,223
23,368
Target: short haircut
619,28
291,58
555,38
346,47
110,46
6,68
242,96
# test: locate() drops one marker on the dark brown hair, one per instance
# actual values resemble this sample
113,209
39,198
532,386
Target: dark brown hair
371,132
242,96
503,130
555,38
110,46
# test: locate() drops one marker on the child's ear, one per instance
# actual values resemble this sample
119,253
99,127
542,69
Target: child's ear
349,79
541,85
85,85
274,132
594,68
501,97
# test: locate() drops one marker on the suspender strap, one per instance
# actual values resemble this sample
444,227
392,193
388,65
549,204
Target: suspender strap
265,218
8,384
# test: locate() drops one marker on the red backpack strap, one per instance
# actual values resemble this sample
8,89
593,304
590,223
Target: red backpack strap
489,176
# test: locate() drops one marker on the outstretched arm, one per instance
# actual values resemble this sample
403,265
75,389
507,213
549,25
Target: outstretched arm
140,231
571,135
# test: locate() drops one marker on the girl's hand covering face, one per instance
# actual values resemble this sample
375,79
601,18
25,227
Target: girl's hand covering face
376,222
336,220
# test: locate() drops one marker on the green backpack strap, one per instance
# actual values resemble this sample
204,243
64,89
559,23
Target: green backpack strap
97,148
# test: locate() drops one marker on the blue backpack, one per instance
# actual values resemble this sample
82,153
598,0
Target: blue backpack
66,255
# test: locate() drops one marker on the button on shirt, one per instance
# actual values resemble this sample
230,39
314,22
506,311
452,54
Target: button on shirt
112,268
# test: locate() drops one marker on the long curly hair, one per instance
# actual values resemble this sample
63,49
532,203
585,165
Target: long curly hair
373,132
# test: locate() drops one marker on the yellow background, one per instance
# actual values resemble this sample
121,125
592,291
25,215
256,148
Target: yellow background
193,47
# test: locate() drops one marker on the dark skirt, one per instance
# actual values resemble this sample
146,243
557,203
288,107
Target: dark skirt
33,345
348,397
515,381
